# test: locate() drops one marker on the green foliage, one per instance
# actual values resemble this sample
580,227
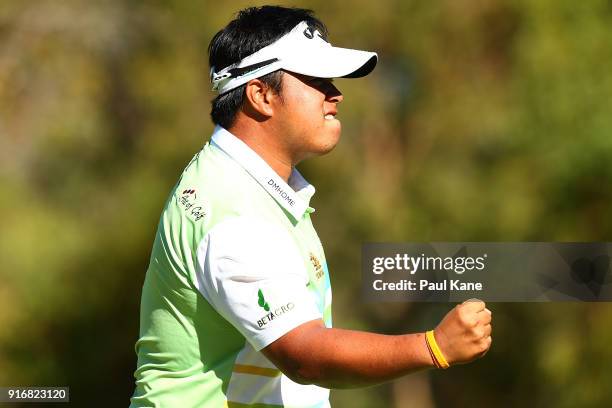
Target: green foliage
483,121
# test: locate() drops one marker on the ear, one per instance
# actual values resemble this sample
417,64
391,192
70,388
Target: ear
260,97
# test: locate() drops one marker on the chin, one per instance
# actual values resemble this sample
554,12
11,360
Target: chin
324,141
322,147
329,143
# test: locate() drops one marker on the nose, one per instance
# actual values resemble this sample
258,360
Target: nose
333,94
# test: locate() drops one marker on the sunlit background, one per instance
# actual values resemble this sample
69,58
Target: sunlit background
484,121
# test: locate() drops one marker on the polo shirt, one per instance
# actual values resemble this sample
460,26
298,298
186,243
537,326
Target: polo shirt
236,264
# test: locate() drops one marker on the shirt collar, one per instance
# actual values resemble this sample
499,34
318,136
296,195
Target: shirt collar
294,196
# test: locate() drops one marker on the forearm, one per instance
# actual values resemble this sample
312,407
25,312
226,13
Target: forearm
337,358
353,359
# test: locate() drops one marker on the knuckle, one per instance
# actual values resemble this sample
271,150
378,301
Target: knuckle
465,316
460,310
471,321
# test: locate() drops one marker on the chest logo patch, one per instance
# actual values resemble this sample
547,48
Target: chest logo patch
317,265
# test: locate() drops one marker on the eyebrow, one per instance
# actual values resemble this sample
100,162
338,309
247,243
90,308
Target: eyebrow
321,79
308,78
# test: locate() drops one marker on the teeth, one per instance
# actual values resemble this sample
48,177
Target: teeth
329,116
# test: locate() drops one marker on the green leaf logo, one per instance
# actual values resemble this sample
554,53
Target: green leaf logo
262,301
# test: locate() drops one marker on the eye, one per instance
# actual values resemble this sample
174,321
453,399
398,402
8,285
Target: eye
320,82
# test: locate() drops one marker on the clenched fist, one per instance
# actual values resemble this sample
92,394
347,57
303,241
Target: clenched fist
465,332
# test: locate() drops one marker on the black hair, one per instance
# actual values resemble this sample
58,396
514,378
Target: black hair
251,30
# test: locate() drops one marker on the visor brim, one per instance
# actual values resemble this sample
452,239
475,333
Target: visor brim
332,62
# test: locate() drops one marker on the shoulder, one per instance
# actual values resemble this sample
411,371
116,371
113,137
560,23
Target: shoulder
211,187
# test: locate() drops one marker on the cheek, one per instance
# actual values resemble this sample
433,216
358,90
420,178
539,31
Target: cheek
308,116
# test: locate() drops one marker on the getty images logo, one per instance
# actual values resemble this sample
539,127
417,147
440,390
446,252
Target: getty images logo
271,315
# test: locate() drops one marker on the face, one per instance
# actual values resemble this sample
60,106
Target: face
306,115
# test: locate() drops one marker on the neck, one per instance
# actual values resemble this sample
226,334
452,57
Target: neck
263,142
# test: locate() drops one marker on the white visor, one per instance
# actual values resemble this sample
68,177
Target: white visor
303,51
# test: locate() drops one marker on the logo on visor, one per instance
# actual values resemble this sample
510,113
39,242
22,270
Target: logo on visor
309,33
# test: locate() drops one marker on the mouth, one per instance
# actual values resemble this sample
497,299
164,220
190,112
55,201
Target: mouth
331,115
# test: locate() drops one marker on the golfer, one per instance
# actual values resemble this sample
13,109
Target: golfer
236,303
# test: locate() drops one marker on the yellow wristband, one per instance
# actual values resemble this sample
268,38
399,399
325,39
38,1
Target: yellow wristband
435,350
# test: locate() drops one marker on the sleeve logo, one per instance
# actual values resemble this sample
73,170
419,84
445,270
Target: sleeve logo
262,301
271,314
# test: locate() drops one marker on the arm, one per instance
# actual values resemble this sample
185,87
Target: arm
336,358
234,266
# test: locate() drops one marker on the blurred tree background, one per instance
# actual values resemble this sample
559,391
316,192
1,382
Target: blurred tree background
484,121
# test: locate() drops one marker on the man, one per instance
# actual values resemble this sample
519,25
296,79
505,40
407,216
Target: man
236,304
